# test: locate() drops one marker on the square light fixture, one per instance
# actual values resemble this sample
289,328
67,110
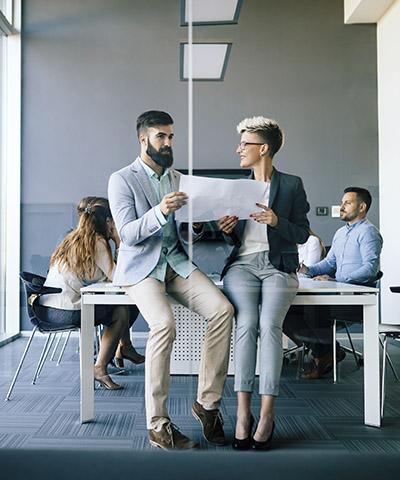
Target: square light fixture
209,60
211,12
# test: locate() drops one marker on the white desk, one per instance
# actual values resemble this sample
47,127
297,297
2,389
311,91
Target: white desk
310,293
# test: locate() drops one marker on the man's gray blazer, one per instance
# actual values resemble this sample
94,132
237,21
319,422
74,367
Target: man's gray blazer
132,201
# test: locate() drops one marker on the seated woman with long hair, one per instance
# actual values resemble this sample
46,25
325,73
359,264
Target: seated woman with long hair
125,349
82,258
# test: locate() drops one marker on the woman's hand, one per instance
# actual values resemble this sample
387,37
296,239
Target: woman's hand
266,216
227,223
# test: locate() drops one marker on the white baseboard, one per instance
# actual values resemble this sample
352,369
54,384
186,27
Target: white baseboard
8,337
138,335
188,346
145,335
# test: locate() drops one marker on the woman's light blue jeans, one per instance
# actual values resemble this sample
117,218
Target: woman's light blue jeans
261,295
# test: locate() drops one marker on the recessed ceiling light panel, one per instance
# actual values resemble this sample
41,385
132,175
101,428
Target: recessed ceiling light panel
209,60
211,12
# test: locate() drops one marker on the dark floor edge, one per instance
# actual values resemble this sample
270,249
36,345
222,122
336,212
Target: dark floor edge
98,464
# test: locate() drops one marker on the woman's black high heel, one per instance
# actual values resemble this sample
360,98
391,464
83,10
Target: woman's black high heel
263,445
245,443
127,352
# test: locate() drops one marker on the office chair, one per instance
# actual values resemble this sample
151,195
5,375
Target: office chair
34,288
340,323
301,351
388,331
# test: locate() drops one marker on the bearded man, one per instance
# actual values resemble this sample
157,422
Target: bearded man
151,263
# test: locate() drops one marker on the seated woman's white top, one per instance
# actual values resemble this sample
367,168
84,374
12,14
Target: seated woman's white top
310,252
61,277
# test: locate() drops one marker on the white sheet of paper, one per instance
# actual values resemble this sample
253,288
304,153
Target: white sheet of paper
213,198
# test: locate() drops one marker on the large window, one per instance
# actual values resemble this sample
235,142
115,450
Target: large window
10,126
2,187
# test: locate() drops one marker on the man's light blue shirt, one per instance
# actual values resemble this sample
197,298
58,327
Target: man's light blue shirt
171,250
354,255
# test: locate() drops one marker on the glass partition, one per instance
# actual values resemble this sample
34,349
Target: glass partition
2,188
90,69
10,108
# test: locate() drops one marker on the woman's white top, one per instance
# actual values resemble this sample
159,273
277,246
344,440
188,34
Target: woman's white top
310,252
70,297
255,237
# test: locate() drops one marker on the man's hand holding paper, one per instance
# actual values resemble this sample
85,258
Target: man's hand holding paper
227,224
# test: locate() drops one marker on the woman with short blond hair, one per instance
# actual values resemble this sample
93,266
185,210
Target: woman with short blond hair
260,276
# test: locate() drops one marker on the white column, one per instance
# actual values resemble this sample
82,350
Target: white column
388,38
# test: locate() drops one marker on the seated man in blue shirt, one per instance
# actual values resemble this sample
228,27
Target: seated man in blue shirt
353,258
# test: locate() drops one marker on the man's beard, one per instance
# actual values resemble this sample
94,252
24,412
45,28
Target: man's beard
163,157
348,217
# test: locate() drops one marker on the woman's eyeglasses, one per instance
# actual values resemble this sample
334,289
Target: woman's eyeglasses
243,145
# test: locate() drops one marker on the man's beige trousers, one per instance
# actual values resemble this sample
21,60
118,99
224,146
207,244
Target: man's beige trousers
199,294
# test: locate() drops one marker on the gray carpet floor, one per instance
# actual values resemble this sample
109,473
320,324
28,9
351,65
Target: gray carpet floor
310,414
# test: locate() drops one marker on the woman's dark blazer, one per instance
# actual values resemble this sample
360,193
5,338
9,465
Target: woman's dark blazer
288,200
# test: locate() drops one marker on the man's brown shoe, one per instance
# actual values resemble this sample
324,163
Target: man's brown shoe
324,365
170,438
211,421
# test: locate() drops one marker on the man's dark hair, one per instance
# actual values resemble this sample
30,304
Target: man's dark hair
363,195
151,119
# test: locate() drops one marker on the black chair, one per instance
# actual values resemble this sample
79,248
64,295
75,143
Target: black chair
34,288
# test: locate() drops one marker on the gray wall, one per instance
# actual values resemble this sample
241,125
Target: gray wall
90,67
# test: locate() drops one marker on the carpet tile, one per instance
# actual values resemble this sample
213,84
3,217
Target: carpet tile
310,415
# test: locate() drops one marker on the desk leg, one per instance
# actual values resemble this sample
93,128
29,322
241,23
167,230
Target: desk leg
87,369
372,414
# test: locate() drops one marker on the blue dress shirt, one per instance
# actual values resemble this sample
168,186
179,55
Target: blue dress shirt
354,255
171,251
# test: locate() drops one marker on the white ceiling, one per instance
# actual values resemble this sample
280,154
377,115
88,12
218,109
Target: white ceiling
365,11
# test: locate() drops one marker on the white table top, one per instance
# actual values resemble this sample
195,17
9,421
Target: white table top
307,286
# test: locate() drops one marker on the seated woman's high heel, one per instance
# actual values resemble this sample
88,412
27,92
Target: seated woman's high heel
105,380
127,352
245,443
266,445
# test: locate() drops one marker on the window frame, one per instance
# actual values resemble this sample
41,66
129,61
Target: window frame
10,157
